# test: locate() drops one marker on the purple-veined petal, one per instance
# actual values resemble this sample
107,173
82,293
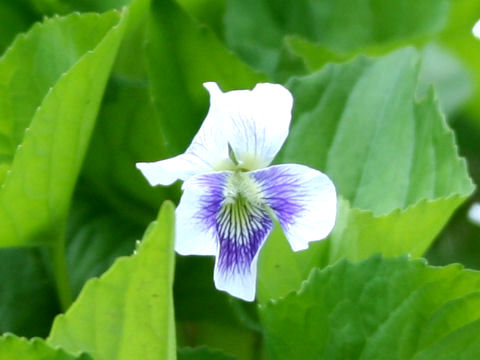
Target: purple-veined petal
254,122
242,229
303,200
220,214
196,214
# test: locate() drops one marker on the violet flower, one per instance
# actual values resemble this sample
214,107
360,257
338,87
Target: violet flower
230,195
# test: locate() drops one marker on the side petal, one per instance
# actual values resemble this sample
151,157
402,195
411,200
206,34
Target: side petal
254,122
242,229
196,214
303,200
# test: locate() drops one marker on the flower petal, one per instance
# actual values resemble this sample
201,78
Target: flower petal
215,218
254,122
303,199
242,228
166,172
196,215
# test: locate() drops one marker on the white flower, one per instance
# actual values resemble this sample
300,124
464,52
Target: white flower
230,195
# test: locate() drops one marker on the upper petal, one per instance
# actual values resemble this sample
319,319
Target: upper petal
166,172
303,199
254,122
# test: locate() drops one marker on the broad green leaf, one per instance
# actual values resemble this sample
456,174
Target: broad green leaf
13,347
127,313
51,83
392,158
181,55
378,309
338,25
28,302
202,353
384,150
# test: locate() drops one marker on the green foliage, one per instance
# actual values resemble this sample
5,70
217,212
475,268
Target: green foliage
128,312
51,83
392,158
367,310
85,96
337,25
12,347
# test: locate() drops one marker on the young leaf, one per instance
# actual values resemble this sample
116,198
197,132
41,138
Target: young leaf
128,312
393,160
13,347
377,309
51,83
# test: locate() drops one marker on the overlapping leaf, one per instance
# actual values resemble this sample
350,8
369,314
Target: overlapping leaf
51,83
128,312
393,160
397,308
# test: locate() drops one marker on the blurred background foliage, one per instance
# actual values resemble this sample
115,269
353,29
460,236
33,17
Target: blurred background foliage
276,40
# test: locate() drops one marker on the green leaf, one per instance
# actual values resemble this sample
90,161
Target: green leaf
202,353
181,55
337,25
377,309
128,312
51,83
13,347
393,160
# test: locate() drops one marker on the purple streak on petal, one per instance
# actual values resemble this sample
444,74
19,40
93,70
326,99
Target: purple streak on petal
241,229
211,200
283,193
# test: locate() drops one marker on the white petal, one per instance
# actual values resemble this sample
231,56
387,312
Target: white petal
166,172
196,214
303,199
254,122
240,285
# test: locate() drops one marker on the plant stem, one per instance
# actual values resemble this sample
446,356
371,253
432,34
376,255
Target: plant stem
60,273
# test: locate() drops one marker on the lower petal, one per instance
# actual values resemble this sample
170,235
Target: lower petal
303,200
242,228
218,216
